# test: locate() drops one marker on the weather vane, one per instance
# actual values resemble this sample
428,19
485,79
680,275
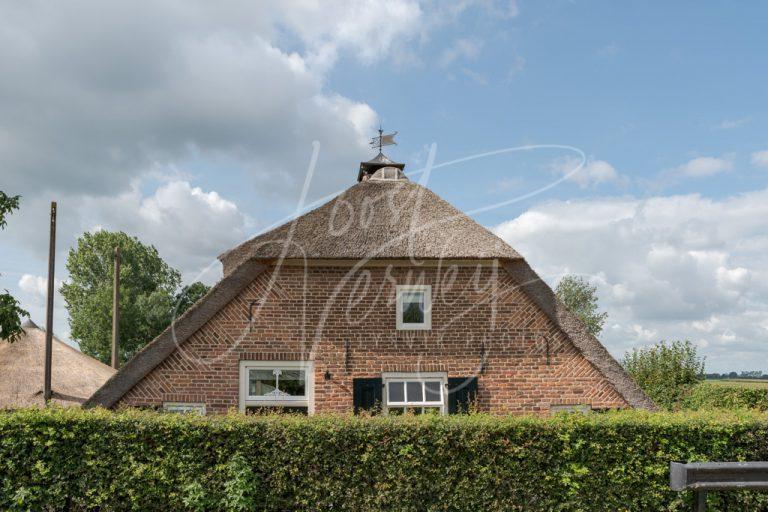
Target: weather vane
383,140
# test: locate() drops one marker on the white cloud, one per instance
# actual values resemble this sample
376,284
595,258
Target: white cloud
462,49
593,172
478,78
666,267
516,67
760,158
188,225
33,298
37,287
513,10
608,50
368,28
730,124
708,325
704,166
126,89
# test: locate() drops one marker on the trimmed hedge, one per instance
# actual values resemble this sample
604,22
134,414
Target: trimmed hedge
708,395
58,459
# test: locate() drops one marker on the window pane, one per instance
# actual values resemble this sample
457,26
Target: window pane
292,382
396,392
260,382
267,410
396,411
275,383
413,307
432,391
415,392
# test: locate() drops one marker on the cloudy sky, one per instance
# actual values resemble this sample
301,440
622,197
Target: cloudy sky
190,125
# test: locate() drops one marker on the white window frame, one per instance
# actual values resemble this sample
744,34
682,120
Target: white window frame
307,401
441,377
407,288
575,408
184,408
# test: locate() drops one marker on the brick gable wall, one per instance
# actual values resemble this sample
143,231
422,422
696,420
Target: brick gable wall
345,322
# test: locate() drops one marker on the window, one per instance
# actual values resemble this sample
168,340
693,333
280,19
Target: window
420,393
414,307
276,384
184,408
581,408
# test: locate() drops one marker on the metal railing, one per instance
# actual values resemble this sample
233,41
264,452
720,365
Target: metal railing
701,477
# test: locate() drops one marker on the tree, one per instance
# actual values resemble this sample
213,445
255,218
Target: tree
148,294
10,311
189,295
581,298
665,371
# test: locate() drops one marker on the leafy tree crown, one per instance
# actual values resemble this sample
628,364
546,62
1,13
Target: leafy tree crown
148,298
581,298
10,310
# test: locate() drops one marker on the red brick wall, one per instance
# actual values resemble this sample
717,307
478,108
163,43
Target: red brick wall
310,313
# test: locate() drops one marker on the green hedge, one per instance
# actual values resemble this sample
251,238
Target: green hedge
708,395
144,461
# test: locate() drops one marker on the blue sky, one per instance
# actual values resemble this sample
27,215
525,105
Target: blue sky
191,127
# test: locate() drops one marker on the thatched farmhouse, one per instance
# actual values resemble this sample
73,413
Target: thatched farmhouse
74,375
385,298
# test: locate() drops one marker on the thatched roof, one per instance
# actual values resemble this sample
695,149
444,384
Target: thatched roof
378,218
74,375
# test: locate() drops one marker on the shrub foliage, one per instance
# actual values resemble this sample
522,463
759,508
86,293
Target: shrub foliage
665,371
69,459
708,395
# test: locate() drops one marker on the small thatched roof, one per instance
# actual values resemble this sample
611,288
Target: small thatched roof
384,217
74,375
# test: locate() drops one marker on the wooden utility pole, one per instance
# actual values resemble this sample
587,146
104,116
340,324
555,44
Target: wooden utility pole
116,312
49,311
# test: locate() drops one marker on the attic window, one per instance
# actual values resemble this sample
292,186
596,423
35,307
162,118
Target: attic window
414,307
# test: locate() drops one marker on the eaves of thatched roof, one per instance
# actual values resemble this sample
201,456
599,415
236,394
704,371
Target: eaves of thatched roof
74,375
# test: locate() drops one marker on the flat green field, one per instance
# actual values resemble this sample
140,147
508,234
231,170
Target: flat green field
744,383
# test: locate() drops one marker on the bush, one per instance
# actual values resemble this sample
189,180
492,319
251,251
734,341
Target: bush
92,460
709,395
665,371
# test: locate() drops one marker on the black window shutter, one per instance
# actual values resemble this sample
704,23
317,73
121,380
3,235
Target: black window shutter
461,392
366,394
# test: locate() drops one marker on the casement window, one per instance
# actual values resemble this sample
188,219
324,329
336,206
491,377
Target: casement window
414,307
370,394
266,385
420,393
184,408
580,408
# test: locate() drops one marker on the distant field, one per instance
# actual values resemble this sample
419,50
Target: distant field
744,383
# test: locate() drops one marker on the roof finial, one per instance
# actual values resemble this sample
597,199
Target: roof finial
379,161
383,140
